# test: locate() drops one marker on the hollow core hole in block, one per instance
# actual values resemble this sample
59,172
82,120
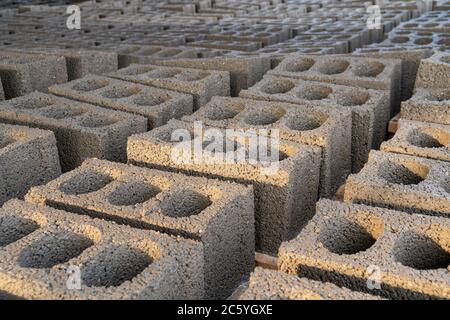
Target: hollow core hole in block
90,85
332,66
429,138
61,112
14,228
423,41
404,173
264,116
300,65
169,53
306,122
399,39
85,182
184,203
115,265
132,193
314,92
351,98
438,95
162,73
218,112
96,120
5,140
150,100
277,86
32,103
419,251
135,70
121,92
351,234
368,69
191,76
53,249
149,51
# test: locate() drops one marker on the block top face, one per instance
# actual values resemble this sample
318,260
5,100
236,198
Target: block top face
12,136
310,92
39,245
239,156
267,284
430,96
440,57
334,66
141,197
155,51
109,92
404,173
148,74
297,123
409,250
421,139
18,59
60,112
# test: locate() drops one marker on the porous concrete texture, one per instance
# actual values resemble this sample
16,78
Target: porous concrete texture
42,248
244,72
218,214
304,124
374,250
267,284
201,84
369,73
23,73
82,130
402,182
429,105
368,107
157,105
422,139
28,157
434,72
2,93
285,185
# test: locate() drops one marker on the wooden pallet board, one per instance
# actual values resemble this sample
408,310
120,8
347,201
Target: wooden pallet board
266,261
393,124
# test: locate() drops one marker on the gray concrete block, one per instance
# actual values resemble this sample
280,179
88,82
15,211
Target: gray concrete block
246,46
41,247
157,105
286,188
218,214
304,124
378,251
368,107
201,84
434,72
82,130
421,139
265,284
28,157
402,182
429,105
23,73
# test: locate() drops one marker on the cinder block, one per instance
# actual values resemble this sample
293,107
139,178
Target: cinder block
201,84
369,73
367,106
422,139
379,251
82,130
265,284
23,73
285,187
157,105
42,249
2,93
304,124
244,72
402,182
218,214
227,45
434,72
429,105
28,157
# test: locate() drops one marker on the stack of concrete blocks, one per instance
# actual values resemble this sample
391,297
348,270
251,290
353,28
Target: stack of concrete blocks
157,105
286,184
42,247
82,130
220,215
28,157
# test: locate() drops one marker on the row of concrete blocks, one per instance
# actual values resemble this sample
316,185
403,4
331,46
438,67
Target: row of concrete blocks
161,236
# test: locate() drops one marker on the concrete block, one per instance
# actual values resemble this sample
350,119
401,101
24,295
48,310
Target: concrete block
157,105
368,107
24,73
421,139
286,186
41,247
402,182
244,72
2,93
304,124
429,105
28,157
201,84
369,73
265,284
218,214
351,245
82,130
434,72
246,46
